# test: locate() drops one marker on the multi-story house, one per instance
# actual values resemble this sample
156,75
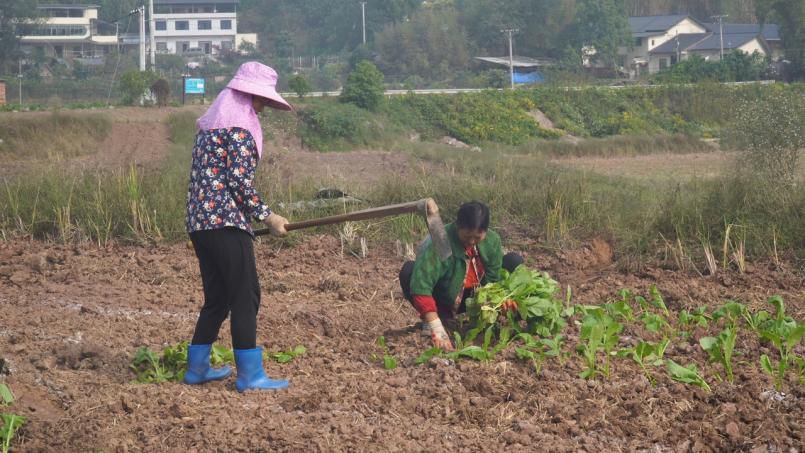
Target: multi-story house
197,26
69,32
662,41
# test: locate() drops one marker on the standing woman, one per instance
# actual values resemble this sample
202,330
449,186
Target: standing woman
221,202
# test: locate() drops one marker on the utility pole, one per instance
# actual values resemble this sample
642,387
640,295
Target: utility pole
509,31
141,11
721,32
153,42
363,20
19,76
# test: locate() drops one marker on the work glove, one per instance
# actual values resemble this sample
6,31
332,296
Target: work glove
438,335
508,306
276,224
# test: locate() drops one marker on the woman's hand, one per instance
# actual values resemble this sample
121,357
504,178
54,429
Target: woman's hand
276,224
438,335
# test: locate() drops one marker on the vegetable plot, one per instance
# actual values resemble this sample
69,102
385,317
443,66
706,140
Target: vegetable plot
537,330
10,422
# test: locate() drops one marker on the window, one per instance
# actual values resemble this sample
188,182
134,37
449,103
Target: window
182,46
160,25
226,24
663,63
206,46
652,42
162,47
205,25
638,42
225,8
181,25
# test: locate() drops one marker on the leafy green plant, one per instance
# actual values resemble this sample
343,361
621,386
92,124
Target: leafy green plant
6,397
533,292
364,86
599,333
686,374
286,356
784,333
720,348
11,422
647,354
149,368
537,350
697,317
654,322
389,362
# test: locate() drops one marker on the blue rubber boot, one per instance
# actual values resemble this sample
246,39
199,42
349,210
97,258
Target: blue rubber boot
251,375
198,366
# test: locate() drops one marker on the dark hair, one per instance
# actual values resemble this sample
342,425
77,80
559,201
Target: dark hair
473,215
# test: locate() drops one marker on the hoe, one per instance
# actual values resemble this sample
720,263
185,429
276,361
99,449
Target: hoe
426,207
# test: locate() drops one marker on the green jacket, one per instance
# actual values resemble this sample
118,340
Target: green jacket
445,279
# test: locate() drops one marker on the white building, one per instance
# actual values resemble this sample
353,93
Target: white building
662,41
69,32
187,27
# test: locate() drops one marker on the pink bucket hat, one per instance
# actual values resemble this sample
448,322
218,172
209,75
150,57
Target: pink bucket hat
260,80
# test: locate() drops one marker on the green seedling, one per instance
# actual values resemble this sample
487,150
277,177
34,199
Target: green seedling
620,309
785,334
647,354
287,356
149,368
720,349
599,331
799,362
389,362
654,322
536,356
695,318
11,423
686,374
6,397
657,300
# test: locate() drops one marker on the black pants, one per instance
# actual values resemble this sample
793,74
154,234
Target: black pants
445,309
229,275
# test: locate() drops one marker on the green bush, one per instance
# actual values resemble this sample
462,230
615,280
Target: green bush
364,87
134,84
299,85
328,126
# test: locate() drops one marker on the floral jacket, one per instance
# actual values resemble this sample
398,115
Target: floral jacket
221,192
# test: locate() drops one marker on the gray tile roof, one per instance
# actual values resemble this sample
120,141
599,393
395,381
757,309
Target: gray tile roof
713,42
770,32
685,41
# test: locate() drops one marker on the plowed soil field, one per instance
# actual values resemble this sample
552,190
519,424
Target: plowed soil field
71,317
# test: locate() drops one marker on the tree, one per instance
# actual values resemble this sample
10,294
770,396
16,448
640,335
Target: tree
299,85
790,15
134,84
13,12
602,24
364,86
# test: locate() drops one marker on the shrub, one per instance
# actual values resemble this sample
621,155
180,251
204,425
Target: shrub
364,87
134,85
329,125
299,85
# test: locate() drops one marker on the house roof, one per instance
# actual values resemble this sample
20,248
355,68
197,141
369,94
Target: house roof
685,41
713,42
517,62
653,25
770,32
66,6
192,2
703,42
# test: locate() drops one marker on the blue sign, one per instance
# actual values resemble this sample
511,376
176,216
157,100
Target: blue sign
528,78
194,86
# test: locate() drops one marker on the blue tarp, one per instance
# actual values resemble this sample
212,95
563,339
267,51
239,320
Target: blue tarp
526,78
